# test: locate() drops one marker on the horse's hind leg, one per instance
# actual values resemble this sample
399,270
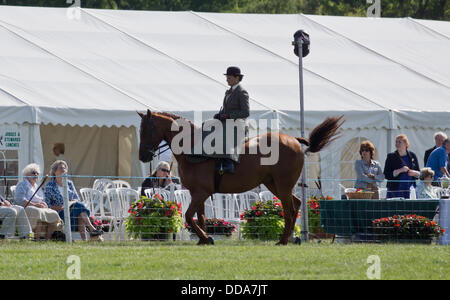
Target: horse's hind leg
290,209
297,203
289,219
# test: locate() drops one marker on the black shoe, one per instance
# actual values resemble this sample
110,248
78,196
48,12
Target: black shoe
96,233
228,166
2,237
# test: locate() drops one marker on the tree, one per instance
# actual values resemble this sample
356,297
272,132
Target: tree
420,9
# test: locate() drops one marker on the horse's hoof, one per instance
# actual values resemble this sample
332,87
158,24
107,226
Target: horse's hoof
210,241
297,241
280,243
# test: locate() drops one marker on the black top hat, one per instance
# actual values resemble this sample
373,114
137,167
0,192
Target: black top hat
234,71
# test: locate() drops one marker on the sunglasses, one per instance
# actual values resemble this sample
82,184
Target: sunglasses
34,173
165,170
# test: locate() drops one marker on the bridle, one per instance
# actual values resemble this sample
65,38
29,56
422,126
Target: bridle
149,148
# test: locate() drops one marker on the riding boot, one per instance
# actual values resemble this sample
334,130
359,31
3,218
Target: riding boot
228,165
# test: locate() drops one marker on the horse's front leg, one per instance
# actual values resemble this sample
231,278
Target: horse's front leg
201,216
195,206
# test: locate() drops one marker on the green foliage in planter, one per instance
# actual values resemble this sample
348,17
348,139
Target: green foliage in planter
264,221
153,218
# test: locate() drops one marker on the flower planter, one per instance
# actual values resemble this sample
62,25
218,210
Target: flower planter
153,219
406,229
216,227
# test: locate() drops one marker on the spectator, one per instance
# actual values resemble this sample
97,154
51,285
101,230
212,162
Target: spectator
401,169
368,171
439,137
163,180
424,188
58,150
438,160
41,218
13,216
79,214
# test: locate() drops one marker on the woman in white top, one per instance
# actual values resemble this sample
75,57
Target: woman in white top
41,217
424,189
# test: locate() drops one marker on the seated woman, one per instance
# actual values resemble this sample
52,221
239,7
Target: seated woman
41,217
424,189
368,171
79,214
159,179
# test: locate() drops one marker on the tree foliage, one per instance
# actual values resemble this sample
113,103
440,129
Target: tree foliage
420,9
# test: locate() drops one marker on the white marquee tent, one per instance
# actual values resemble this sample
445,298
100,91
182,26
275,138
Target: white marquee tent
79,75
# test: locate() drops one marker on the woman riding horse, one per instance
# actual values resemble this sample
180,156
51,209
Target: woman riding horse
280,177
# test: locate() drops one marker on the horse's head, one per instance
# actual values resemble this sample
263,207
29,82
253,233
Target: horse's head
150,136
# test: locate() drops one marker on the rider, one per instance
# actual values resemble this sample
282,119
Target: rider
235,106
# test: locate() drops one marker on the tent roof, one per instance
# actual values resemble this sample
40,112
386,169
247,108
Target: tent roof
98,69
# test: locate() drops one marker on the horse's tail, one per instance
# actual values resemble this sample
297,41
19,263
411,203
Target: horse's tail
323,134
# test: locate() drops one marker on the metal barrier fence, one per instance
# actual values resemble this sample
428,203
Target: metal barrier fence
119,210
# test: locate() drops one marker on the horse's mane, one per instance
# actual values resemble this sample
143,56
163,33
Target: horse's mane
173,116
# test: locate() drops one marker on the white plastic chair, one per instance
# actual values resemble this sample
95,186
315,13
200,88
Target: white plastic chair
184,198
266,196
210,211
246,200
12,189
121,184
117,214
127,197
102,184
152,191
94,201
224,205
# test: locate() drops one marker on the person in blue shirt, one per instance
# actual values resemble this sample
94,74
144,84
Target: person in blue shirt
438,160
79,214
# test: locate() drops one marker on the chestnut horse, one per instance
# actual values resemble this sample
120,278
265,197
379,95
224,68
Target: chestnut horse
280,178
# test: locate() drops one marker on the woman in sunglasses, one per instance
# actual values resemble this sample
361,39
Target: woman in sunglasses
41,217
79,213
159,179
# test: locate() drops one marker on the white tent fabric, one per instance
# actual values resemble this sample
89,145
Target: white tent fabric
385,76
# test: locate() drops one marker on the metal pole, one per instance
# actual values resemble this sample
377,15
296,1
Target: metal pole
65,195
304,206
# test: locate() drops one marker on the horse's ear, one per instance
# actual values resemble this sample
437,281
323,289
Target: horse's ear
140,114
149,113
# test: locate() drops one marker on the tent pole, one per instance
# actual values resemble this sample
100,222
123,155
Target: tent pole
304,206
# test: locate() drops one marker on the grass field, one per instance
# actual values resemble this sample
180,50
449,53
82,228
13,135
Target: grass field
227,260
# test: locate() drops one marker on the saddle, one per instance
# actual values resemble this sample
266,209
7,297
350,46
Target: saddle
225,160
219,169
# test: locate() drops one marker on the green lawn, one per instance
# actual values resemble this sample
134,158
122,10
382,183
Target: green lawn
226,260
